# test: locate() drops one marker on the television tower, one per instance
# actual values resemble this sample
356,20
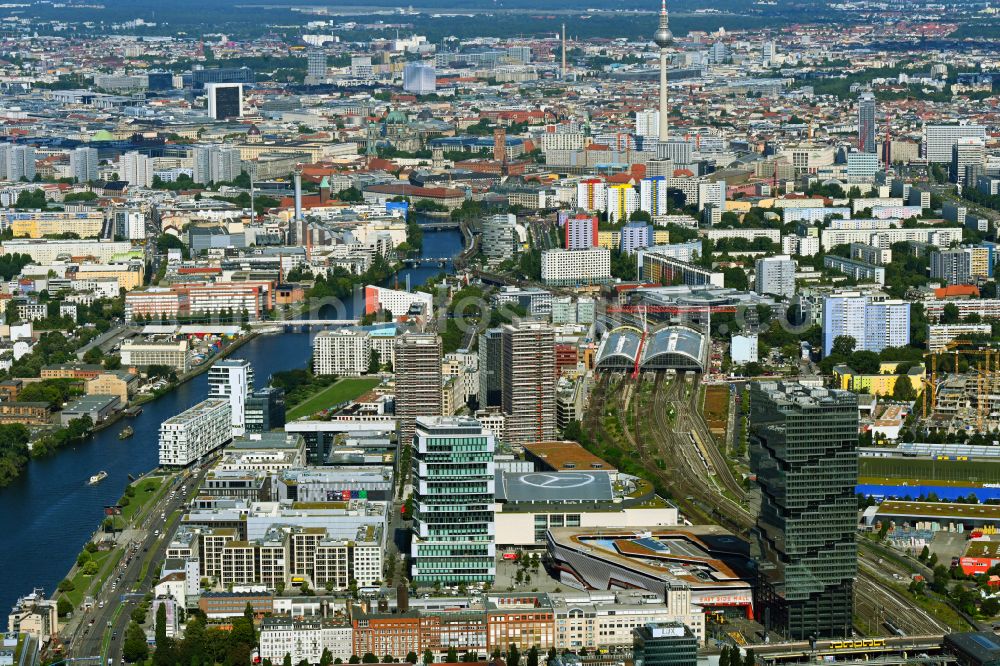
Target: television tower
663,38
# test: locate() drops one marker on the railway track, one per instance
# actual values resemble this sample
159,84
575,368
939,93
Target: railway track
699,473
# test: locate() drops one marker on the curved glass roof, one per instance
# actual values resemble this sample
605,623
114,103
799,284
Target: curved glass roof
675,340
621,342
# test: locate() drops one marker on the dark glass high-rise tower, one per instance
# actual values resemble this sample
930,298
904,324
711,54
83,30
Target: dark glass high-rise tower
866,123
804,453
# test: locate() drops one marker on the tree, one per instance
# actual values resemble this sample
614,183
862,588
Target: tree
864,362
533,656
354,659
428,657
452,657
843,345
924,554
326,658
66,585
161,625
369,658
990,607
64,606
749,659
286,660
903,390
411,657
724,657
513,656
374,363
135,648
950,314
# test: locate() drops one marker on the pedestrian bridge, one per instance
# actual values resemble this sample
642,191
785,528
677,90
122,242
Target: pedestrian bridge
302,322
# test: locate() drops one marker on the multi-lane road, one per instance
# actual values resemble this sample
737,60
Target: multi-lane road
102,629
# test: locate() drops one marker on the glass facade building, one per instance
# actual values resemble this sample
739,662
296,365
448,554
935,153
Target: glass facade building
804,453
453,486
664,644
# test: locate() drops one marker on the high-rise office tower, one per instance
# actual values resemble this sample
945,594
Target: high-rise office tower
866,123
663,38
528,381
83,164
939,139
768,51
225,100
419,78
968,156
418,380
136,169
316,64
664,644
453,492
490,368
232,378
804,455
265,410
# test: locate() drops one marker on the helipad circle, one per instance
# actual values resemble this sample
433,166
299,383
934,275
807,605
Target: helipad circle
562,480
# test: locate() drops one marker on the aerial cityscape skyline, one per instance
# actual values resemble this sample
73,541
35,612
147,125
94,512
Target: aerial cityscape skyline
500,333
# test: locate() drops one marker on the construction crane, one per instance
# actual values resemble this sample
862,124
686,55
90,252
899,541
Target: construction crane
987,371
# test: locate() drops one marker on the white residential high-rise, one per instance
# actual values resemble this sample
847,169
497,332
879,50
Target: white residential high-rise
129,224
874,325
968,156
361,67
713,194
216,164
17,162
345,352
775,276
653,196
592,194
623,200
136,169
232,379
647,123
83,164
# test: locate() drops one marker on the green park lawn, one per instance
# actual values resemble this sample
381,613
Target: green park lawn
343,390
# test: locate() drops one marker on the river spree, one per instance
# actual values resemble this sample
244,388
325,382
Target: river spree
50,511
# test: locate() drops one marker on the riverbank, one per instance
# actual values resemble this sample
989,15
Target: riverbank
55,511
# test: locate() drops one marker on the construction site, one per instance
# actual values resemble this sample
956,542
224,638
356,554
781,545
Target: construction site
962,389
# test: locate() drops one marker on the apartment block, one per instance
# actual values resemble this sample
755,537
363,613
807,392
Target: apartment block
195,432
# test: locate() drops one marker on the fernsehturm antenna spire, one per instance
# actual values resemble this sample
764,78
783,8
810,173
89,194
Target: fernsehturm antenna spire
663,38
